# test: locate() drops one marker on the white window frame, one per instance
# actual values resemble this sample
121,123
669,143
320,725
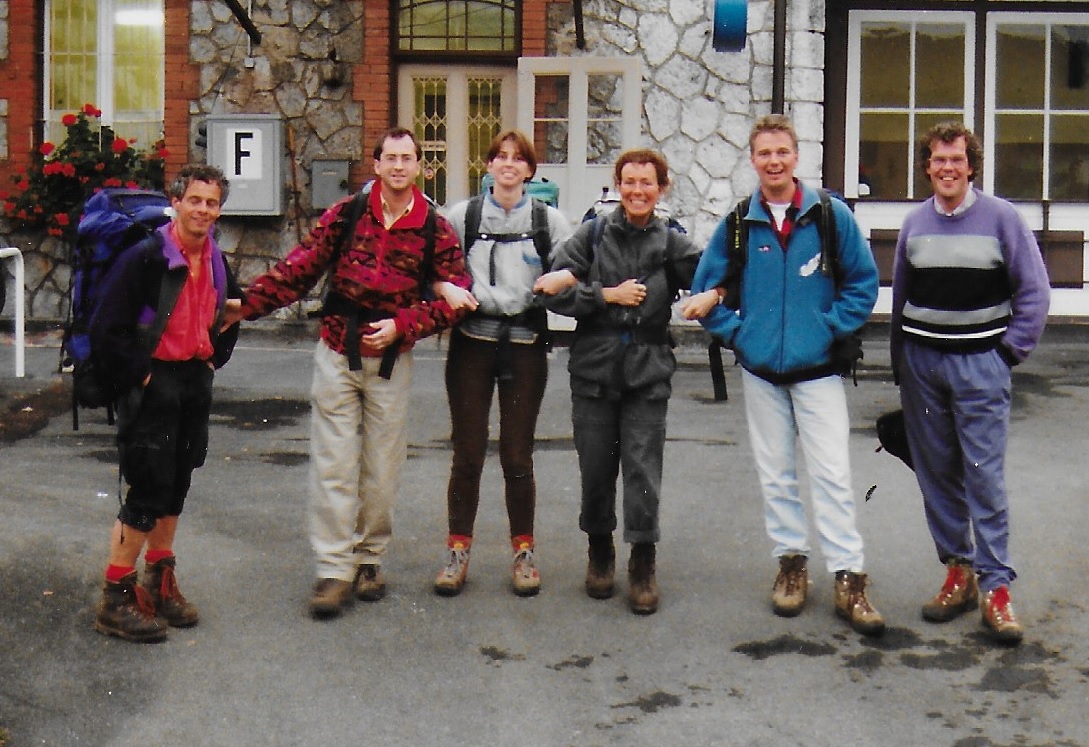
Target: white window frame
1046,21
580,182
104,73
854,83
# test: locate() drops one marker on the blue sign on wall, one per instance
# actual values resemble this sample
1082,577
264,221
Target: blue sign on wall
729,25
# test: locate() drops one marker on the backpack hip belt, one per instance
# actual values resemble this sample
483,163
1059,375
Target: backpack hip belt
356,316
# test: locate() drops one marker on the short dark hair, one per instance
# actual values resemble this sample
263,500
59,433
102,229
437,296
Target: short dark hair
643,155
948,132
773,123
522,146
396,133
198,172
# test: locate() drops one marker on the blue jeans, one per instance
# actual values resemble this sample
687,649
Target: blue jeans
957,411
814,415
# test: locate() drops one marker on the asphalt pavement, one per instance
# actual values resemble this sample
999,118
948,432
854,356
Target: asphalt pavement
713,667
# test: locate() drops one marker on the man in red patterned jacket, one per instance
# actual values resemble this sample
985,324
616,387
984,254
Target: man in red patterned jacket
374,314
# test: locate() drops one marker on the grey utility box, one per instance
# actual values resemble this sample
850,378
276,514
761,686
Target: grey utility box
328,182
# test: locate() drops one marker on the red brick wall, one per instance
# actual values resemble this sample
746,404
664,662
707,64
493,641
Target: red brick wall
182,84
20,81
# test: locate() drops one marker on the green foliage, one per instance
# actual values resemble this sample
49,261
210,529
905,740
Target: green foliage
51,192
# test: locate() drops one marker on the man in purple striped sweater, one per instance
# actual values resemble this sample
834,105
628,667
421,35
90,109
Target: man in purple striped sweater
970,300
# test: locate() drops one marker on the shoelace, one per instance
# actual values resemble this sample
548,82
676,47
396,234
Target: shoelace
168,586
143,601
953,581
459,558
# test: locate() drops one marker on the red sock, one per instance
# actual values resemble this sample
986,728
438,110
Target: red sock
115,573
154,556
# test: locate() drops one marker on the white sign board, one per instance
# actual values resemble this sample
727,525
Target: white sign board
249,150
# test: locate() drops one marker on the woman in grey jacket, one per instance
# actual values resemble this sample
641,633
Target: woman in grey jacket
628,266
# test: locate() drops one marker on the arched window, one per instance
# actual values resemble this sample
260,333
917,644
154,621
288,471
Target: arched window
489,26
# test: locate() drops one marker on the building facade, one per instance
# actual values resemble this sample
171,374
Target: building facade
586,78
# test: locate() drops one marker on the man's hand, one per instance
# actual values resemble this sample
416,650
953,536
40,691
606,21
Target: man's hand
553,282
383,335
699,305
457,298
629,293
232,312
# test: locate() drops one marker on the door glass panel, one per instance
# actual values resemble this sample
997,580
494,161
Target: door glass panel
552,94
1019,156
138,64
1069,158
604,106
429,124
1070,67
1020,66
484,123
939,53
887,84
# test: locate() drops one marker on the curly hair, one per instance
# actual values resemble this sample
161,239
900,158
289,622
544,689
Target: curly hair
948,132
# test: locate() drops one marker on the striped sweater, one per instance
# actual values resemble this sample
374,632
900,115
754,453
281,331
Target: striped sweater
969,282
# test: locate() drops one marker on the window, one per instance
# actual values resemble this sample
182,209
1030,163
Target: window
906,72
109,53
1038,106
457,26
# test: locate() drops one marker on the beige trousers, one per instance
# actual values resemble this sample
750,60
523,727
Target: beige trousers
358,446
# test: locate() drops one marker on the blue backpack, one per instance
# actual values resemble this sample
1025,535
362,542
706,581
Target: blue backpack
113,220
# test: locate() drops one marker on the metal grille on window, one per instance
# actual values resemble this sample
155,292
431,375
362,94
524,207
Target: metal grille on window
430,128
484,123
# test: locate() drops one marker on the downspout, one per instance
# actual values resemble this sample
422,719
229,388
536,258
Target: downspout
580,30
778,71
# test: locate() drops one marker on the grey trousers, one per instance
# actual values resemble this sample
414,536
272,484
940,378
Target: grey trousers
614,435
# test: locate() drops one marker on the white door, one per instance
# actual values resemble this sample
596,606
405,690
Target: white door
581,112
455,111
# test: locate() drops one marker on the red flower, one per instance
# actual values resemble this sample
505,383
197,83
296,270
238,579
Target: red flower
132,185
113,181
100,166
90,109
46,148
120,145
61,219
68,120
54,232
23,185
9,207
163,153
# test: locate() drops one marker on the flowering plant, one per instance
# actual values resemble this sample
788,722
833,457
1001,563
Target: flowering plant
60,178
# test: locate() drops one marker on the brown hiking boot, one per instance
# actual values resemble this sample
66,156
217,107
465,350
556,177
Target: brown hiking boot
525,577
601,569
999,618
791,586
853,606
126,611
959,593
370,584
161,584
451,579
642,585
329,597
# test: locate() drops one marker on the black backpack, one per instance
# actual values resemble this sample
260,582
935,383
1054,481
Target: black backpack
845,352
113,220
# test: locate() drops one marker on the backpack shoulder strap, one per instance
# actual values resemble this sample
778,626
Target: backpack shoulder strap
170,289
352,212
473,211
429,243
826,227
597,231
737,243
542,237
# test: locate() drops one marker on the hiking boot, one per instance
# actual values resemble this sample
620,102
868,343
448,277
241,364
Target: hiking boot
642,586
601,569
126,611
959,593
853,606
329,597
791,586
452,578
999,618
370,584
170,604
525,577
